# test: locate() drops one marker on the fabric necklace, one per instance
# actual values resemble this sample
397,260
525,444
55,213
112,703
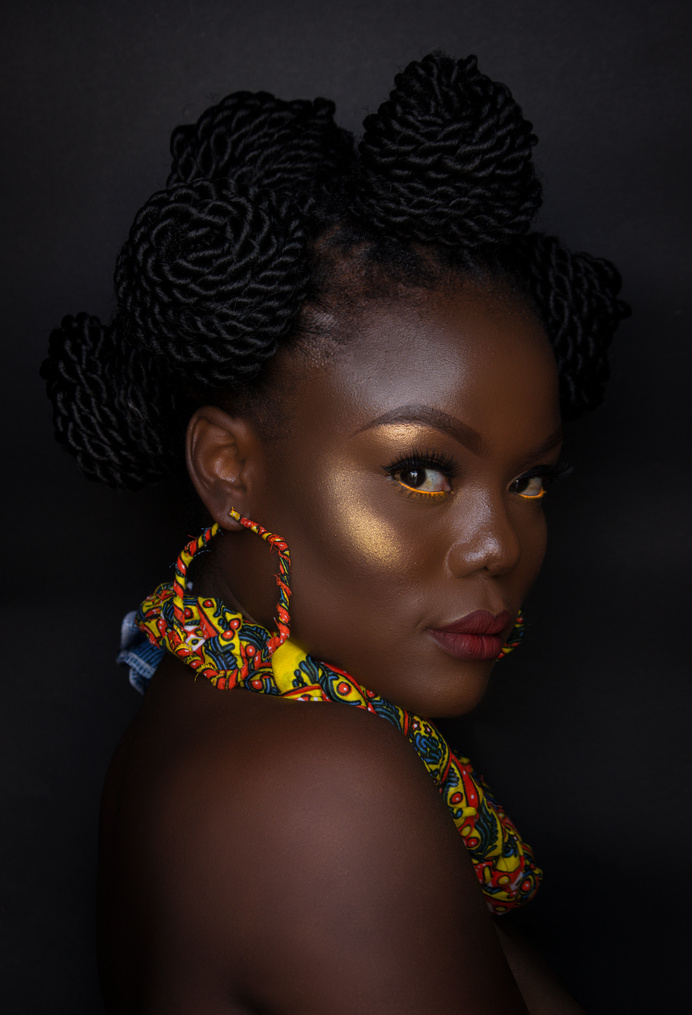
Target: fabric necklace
222,646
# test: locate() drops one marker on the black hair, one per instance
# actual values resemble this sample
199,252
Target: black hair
271,210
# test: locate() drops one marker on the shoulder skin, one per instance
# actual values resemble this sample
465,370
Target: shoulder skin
267,855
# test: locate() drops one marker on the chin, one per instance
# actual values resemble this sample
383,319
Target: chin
457,695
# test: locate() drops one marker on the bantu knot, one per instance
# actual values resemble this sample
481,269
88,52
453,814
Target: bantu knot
211,278
107,407
577,298
265,143
447,159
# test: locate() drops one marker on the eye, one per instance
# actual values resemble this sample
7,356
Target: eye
529,487
422,479
423,474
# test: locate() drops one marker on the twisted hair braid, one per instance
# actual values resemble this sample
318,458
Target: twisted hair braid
447,159
109,407
577,299
266,143
211,278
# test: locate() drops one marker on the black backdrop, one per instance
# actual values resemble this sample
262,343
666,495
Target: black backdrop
585,732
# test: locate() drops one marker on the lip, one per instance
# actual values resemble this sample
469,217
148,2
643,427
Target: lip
476,636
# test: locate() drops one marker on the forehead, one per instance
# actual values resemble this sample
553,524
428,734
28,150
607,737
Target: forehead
478,355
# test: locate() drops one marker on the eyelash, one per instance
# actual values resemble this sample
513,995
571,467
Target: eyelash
443,463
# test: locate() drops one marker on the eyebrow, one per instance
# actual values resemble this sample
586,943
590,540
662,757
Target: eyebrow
436,418
442,421
554,441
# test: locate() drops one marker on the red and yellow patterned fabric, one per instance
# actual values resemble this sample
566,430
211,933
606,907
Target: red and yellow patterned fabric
232,652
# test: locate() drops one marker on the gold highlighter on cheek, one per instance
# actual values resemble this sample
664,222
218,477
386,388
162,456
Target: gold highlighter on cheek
366,534
372,538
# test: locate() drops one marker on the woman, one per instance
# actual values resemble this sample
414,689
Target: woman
363,358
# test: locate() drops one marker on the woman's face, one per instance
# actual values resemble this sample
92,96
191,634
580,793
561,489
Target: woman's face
408,492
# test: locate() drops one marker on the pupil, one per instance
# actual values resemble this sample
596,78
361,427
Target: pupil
414,477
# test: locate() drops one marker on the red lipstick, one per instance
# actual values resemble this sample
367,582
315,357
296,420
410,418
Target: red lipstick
476,636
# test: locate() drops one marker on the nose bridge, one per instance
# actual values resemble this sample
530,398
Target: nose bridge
486,537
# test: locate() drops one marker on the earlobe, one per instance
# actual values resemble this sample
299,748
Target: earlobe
218,450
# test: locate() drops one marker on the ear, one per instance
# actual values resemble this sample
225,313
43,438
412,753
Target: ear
221,453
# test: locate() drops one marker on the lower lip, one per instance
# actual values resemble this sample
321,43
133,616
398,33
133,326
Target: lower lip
468,646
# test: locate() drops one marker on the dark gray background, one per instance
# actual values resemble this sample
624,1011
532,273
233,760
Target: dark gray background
585,731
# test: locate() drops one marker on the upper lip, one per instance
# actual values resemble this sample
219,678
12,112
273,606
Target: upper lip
479,622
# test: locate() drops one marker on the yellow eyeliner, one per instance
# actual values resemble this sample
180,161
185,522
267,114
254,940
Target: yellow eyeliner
534,496
411,490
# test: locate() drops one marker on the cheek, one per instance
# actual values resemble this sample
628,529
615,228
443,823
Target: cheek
351,560
364,537
535,542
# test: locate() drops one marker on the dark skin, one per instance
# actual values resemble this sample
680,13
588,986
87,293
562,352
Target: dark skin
265,856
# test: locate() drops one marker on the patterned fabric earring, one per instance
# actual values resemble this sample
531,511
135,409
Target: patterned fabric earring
283,620
515,638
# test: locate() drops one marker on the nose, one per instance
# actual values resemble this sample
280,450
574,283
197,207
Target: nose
485,539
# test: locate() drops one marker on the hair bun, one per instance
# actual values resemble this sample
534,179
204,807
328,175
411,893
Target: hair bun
211,278
107,408
577,298
263,142
447,159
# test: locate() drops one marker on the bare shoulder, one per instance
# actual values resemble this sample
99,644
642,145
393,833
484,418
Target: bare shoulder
266,849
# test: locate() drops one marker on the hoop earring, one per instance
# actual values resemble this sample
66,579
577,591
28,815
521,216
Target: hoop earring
283,576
